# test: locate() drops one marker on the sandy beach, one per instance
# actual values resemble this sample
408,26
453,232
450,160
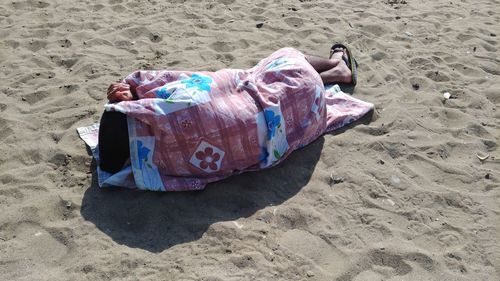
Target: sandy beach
416,194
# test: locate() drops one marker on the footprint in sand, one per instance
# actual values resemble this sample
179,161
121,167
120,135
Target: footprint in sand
294,22
257,11
10,196
218,20
36,45
118,8
381,261
33,248
437,76
325,259
227,59
36,97
95,8
222,47
135,32
65,43
29,4
455,263
226,2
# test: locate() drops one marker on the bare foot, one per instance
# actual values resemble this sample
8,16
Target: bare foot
340,73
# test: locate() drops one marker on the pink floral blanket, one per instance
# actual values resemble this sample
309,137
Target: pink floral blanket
188,129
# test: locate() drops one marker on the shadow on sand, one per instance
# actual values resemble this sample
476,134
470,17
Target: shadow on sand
156,221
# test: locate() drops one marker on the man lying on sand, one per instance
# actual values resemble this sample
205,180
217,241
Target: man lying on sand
180,130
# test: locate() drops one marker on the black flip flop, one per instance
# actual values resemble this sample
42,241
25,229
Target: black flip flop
350,61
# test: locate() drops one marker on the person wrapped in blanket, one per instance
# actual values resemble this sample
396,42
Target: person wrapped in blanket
180,130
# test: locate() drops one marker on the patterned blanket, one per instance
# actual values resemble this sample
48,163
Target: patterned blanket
188,129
